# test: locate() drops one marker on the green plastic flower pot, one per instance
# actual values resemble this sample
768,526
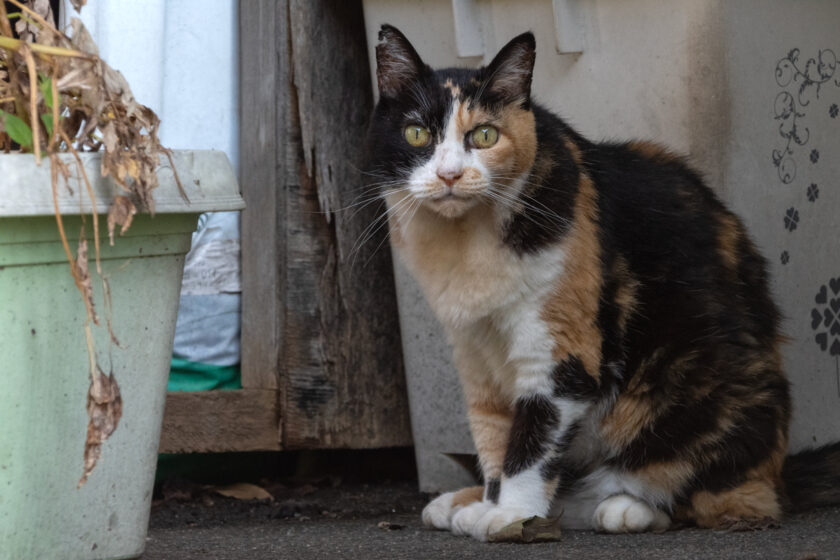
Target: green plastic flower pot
44,367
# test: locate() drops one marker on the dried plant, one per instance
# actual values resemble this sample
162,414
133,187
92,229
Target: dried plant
58,96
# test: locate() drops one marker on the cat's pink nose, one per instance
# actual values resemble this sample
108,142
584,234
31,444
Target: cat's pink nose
449,176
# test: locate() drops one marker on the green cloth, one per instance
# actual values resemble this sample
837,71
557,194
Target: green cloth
193,376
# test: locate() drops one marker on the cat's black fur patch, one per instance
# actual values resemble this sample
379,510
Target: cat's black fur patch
533,421
492,489
571,380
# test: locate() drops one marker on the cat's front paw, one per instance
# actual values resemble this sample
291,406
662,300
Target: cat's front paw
464,520
438,512
480,520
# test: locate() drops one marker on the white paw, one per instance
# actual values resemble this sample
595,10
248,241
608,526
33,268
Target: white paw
483,522
438,512
465,519
626,514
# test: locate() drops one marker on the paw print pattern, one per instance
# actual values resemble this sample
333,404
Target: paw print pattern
785,258
791,219
825,320
833,110
815,155
813,192
826,317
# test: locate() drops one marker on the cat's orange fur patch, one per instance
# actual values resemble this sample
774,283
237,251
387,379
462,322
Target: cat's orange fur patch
490,427
520,125
752,500
670,476
629,415
651,150
572,309
755,499
467,496
728,237
453,89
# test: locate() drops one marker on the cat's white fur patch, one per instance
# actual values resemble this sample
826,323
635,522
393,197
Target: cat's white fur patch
626,514
438,513
465,520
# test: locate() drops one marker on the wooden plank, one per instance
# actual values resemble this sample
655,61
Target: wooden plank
215,421
261,31
342,381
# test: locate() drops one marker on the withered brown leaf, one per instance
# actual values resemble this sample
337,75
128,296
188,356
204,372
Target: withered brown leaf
77,4
104,407
243,491
121,213
26,28
533,529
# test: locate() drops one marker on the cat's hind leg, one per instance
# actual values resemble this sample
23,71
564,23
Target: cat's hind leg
613,501
438,513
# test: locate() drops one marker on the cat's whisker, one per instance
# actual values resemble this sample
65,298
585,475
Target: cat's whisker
412,207
379,193
526,205
528,196
371,230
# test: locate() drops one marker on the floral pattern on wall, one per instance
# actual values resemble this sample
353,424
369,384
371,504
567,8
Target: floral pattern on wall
802,81
799,107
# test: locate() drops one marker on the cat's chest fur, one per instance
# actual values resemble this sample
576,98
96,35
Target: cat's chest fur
467,273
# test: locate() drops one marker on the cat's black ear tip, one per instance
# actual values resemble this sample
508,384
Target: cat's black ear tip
388,31
525,40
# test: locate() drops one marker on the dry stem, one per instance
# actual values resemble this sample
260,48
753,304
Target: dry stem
33,102
16,44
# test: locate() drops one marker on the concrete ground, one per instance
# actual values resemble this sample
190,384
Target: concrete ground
330,520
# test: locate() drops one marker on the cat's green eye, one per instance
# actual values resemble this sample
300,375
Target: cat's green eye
416,135
485,136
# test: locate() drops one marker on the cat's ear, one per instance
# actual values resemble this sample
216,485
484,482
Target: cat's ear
397,63
509,75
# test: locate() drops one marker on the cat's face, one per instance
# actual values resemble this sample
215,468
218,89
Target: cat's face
453,139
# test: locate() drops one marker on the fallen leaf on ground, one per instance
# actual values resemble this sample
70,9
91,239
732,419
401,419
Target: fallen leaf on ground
243,491
533,529
390,526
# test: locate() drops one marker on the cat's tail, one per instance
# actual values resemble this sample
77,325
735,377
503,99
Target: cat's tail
812,478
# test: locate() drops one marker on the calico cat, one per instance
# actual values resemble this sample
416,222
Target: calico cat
610,319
